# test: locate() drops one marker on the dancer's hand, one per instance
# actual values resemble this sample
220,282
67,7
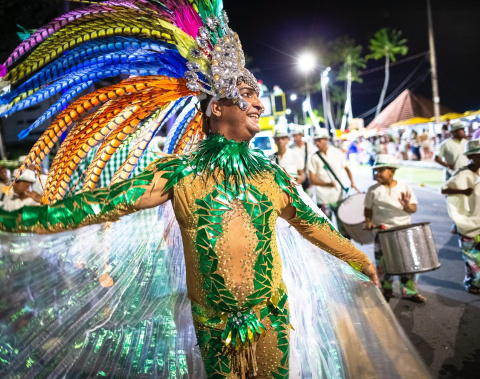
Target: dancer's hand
372,274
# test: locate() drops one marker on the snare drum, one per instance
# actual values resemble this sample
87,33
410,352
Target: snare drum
409,249
350,213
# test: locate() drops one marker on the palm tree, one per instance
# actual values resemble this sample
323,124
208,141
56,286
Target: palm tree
387,44
349,56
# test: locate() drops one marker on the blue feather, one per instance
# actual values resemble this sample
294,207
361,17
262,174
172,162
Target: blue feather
106,51
181,123
81,84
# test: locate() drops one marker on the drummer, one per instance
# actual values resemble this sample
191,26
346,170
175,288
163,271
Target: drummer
463,191
326,168
388,204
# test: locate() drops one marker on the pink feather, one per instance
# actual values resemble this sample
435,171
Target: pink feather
188,20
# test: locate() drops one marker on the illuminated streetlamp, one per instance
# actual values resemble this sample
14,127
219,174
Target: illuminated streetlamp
306,63
293,96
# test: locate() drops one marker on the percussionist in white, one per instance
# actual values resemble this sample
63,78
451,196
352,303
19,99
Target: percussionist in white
388,204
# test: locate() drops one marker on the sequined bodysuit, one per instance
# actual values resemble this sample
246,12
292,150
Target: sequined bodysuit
226,198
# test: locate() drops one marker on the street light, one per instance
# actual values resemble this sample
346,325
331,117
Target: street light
306,62
293,96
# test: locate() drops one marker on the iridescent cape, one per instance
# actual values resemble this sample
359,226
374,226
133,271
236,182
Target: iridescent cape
110,299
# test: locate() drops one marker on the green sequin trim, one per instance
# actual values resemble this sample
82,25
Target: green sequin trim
81,209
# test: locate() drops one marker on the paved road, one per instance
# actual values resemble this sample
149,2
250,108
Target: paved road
446,329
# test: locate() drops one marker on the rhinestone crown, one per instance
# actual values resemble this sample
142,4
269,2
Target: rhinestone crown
217,64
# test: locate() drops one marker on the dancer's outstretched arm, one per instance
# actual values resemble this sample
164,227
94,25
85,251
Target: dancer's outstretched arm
321,233
90,207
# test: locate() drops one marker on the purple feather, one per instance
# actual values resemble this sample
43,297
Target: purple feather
46,31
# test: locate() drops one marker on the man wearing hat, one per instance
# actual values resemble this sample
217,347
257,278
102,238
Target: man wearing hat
450,152
326,167
388,204
463,191
20,194
304,149
287,158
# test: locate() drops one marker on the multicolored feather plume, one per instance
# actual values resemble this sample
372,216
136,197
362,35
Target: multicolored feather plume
147,43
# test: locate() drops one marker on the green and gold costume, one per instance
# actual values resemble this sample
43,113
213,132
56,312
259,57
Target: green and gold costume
227,198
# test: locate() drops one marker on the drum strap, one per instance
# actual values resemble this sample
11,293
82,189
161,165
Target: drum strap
333,173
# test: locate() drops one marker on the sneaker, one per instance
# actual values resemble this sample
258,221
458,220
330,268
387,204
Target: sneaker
417,298
387,294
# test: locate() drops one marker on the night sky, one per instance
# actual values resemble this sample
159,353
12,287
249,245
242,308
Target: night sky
274,32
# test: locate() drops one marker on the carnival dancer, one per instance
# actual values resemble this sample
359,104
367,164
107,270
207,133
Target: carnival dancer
326,167
390,203
463,191
305,149
287,158
122,312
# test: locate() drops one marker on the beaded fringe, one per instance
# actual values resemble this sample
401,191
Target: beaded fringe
243,360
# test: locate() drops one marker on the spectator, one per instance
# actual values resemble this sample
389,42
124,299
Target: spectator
415,146
21,194
287,158
391,146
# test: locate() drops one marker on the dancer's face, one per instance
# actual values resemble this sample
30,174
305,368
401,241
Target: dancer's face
229,120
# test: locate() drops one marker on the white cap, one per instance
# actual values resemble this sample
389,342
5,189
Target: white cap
27,176
457,126
298,129
472,147
321,133
281,131
386,160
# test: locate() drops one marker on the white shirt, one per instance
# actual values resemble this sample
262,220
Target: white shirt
385,206
301,151
12,202
337,162
290,161
452,152
39,184
465,210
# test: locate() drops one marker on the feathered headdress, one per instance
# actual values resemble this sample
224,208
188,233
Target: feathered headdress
170,50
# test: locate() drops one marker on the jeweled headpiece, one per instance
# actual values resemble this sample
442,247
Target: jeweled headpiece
217,64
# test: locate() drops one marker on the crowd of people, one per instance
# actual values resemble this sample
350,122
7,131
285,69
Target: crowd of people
408,144
389,203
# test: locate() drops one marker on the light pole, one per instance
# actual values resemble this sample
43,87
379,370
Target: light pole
433,63
306,63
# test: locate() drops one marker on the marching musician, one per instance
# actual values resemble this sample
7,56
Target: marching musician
388,204
287,158
326,167
463,191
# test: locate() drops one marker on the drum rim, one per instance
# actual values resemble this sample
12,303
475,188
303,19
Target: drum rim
402,227
416,272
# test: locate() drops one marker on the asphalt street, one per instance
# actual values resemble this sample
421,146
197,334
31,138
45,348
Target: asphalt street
446,329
